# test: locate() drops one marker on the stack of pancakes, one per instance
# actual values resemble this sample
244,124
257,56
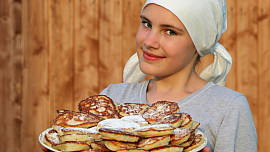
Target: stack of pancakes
102,125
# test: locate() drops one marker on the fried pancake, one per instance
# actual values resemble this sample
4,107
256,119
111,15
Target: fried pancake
186,120
127,109
99,145
154,142
155,130
171,118
169,148
91,150
51,138
131,150
92,132
195,125
137,119
71,146
189,141
181,135
199,140
118,124
100,105
159,109
75,137
76,119
118,135
117,145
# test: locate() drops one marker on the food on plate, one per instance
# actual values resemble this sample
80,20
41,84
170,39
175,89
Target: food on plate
51,138
171,118
155,130
76,137
154,142
159,109
117,145
100,105
101,125
127,109
168,148
119,135
76,119
99,145
118,124
71,146
199,140
181,135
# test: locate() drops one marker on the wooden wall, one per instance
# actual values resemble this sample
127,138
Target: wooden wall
55,53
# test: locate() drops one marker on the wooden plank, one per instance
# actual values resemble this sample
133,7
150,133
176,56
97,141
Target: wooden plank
86,49
111,42
263,121
131,23
10,76
35,74
228,40
61,51
247,53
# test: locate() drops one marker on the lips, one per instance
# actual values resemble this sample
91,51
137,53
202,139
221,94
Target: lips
151,57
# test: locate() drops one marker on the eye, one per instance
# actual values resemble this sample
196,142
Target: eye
146,24
170,32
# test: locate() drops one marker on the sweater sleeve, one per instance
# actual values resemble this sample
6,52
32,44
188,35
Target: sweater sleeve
237,132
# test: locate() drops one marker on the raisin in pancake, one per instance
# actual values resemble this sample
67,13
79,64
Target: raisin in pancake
117,145
101,105
127,109
169,148
99,145
131,150
159,109
171,118
71,146
181,135
198,141
51,138
154,142
155,130
119,135
118,124
76,119
76,137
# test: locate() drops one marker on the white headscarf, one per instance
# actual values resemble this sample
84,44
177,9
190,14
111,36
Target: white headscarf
205,21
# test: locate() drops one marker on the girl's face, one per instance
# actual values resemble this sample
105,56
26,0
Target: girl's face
164,46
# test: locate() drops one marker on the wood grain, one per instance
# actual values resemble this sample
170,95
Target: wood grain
10,76
35,74
263,110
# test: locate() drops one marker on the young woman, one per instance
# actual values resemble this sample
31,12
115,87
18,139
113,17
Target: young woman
172,36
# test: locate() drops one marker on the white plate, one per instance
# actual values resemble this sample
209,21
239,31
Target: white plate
41,137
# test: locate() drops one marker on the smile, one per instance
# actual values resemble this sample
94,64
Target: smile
151,57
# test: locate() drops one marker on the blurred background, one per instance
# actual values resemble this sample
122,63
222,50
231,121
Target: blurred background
55,53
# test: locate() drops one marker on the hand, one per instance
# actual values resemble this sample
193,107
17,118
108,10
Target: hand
205,149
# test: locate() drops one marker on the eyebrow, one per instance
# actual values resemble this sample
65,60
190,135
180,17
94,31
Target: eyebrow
164,25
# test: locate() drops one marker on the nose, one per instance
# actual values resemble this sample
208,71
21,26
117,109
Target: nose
152,40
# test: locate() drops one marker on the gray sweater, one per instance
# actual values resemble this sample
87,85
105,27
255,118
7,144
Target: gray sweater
224,115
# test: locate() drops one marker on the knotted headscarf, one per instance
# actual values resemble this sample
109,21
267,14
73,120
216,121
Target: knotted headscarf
205,21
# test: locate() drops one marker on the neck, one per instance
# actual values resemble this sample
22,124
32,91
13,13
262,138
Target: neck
174,87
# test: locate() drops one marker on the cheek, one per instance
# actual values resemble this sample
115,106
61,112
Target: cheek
140,36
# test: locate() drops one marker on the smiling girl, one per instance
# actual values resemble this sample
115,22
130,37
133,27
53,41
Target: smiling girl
172,37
